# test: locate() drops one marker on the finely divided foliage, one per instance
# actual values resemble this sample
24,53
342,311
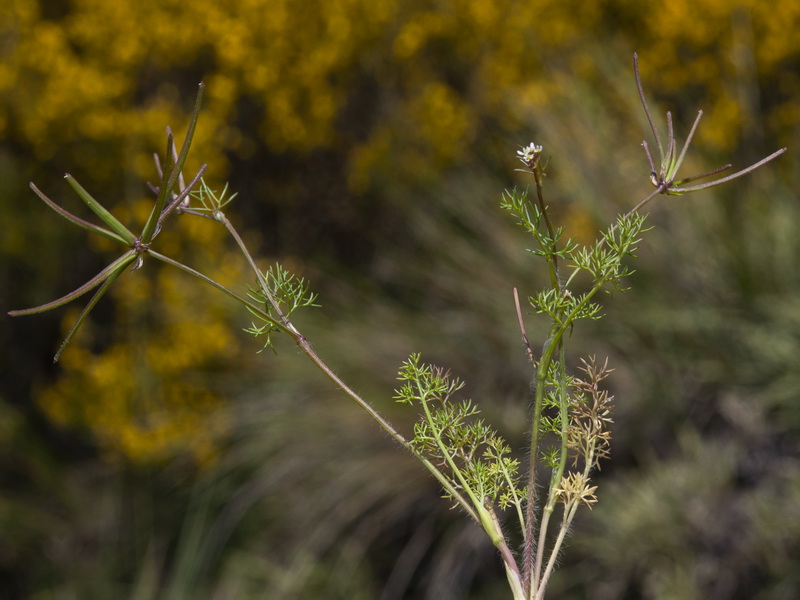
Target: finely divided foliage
571,414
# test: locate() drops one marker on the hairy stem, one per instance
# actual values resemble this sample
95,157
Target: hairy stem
533,457
305,346
552,258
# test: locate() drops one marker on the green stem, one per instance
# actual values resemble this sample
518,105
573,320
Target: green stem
286,325
569,516
476,510
533,457
172,170
115,267
552,258
78,221
535,585
115,225
480,513
553,341
128,259
513,490
563,397
483,515
558,473
205,278
510,563
554,555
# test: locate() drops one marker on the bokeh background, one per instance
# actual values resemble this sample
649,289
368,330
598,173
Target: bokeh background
369,142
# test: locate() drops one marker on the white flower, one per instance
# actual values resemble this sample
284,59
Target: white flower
529,154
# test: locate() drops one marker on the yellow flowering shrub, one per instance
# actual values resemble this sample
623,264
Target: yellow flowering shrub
397,90
99,70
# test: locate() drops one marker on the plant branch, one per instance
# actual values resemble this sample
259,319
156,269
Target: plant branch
525,340
118,265
88,308
77,220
